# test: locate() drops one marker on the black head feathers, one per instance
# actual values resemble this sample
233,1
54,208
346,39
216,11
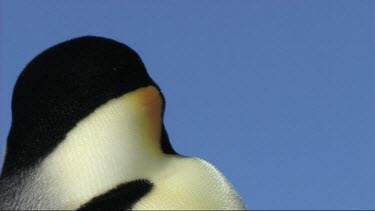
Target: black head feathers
63,85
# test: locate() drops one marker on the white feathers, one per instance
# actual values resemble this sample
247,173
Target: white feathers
118,143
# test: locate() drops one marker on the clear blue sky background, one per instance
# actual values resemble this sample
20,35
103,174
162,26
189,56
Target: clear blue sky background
279,95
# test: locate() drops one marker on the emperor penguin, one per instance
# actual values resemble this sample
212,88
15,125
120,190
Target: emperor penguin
87,133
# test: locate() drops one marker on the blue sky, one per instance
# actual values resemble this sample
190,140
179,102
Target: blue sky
279,95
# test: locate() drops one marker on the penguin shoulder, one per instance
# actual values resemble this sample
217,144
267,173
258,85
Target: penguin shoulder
190,183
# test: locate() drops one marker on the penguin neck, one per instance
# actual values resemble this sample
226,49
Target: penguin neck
132,122
110,146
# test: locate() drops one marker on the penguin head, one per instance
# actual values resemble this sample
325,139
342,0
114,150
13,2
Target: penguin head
63,85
